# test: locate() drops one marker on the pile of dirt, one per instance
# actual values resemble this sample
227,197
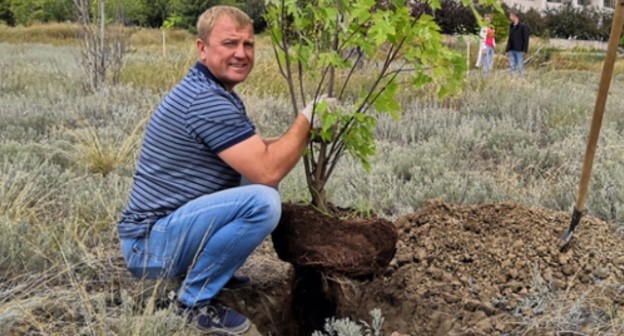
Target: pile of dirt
481,269
493,269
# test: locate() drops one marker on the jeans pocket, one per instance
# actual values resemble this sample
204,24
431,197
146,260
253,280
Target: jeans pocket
161,225
148,265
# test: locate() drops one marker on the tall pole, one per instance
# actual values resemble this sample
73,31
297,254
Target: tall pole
594,132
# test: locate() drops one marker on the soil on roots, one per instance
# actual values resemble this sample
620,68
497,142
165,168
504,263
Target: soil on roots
355,247
322,247
493,269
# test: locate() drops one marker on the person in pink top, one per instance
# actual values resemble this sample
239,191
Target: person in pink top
488,44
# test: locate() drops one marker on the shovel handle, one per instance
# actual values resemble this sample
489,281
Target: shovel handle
601,101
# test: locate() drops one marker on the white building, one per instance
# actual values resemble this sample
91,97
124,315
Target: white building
541,5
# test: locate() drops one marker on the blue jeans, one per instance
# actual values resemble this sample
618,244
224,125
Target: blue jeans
516,61
205,241
488,60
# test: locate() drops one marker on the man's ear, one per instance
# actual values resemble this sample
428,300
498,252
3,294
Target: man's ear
201,48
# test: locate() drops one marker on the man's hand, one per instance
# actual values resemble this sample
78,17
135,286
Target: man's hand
309,108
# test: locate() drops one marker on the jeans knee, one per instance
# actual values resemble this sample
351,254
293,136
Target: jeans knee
269,206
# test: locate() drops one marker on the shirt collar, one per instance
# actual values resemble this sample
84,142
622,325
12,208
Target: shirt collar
204,70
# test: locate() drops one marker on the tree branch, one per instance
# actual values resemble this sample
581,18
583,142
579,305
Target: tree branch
334,48
351,71
287,65
279,62
333,161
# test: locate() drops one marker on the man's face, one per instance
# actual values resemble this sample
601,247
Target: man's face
513,18
228,52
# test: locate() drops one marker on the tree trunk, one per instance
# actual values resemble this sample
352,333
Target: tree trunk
319,199
318,179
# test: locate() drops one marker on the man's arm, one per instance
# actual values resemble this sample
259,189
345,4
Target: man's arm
508,46
269,141
525,36
268,161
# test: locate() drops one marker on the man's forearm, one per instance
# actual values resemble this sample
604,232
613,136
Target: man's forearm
268,141
286,150
267,162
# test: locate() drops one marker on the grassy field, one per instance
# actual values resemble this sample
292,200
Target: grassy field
67,157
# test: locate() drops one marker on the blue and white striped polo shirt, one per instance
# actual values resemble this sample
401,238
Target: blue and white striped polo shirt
178,160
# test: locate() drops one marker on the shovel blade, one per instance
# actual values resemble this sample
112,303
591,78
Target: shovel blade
566,237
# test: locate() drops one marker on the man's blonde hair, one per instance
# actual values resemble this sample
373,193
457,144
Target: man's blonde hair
207,20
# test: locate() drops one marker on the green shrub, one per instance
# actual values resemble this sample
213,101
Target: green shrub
25,12
536,22
501,25
6,16
566,21
454,18
256,10
189,11
583,23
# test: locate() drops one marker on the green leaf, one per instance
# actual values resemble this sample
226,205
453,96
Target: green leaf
386,102
381,29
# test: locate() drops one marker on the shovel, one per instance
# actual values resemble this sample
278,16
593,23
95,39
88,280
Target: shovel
601,101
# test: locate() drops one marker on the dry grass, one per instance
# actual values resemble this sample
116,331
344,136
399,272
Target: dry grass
67,159
68,34
102,150
49,33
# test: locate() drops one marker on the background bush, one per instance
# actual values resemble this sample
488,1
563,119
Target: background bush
583,23
145,13
567,22
25,12
501,25
455,18
536,22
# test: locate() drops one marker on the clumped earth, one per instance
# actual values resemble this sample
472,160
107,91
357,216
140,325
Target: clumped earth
321,247
353,247
493,269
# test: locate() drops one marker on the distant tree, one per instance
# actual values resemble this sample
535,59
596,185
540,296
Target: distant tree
101,50
578,23
156,12
536,22
127,12
452,16
455,18
501,22
190,10
58,10
25,12
256,9
6,15
603,19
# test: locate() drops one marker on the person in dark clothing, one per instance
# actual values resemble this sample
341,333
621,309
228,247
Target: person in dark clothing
517,43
